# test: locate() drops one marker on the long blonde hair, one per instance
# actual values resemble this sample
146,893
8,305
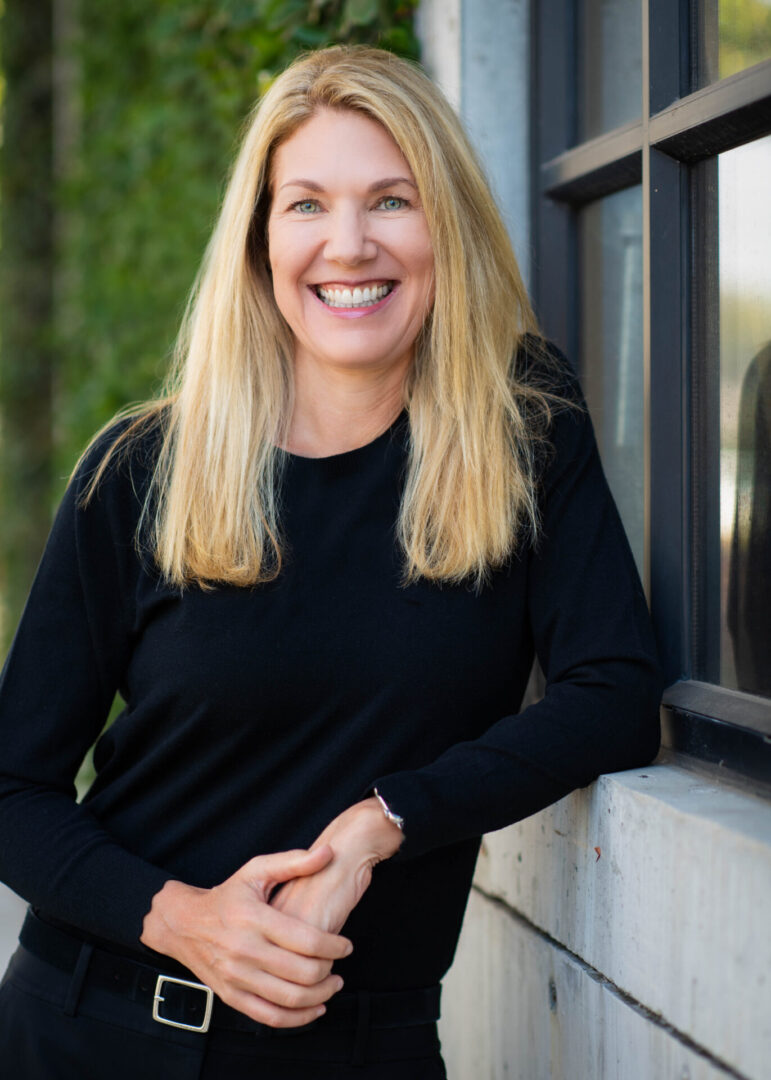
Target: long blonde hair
469,495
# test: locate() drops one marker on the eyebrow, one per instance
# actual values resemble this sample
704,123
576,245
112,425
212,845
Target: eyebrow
389,181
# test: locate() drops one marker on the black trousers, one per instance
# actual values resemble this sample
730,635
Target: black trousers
55,1026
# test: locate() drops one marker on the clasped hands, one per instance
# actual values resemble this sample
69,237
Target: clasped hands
265,939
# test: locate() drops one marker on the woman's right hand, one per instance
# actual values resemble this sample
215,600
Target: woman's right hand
271,966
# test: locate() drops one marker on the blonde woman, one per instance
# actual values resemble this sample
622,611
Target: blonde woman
317,571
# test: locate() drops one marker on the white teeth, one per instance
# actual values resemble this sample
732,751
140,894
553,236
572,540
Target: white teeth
356,298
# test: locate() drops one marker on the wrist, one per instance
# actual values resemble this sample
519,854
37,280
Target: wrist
387,834
161,923
362,833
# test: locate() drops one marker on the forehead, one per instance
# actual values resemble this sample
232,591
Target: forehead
337,145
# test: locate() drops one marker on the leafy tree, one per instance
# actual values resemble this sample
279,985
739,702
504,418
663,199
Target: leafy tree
26,291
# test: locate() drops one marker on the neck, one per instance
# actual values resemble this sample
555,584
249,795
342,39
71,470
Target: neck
339,410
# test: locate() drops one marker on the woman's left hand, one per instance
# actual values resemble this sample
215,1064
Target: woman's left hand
360,838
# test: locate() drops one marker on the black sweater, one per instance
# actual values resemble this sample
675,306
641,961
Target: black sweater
255,715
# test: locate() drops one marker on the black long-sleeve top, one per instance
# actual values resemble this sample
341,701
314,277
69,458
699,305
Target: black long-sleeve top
256,715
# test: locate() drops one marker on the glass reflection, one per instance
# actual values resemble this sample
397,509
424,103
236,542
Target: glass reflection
734,35
745,417
612,348
609,65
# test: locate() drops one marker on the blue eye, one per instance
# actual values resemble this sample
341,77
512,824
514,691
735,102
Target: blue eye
306,206
393,202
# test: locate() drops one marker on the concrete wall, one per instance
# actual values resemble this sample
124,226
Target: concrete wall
12,910
622,933
478,52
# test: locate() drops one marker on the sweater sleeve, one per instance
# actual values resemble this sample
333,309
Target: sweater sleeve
64,667
593,638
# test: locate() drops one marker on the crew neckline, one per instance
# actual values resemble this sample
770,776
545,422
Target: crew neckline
345,456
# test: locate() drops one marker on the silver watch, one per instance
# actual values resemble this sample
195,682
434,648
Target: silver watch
392,817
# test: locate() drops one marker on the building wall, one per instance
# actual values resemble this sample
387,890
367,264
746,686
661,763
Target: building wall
477,51
621,934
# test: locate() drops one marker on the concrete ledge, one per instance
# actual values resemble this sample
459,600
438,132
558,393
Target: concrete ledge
12,909
518,1007
661,881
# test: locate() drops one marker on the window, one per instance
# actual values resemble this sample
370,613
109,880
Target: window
742,527
652,233
611,347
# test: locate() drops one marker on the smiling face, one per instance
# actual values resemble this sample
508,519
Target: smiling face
348,244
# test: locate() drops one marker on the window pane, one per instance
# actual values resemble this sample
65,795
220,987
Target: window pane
609,65
734,35
611,348
745,416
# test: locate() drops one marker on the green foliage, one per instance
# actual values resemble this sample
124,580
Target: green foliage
27,295
164,86
745,34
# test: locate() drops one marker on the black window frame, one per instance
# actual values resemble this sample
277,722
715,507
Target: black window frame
671,152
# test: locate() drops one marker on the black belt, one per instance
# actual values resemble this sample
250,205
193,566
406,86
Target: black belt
184,1003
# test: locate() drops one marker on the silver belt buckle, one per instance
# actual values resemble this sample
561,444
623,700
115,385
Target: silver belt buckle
158,999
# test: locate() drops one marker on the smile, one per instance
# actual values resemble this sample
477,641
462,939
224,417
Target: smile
356,297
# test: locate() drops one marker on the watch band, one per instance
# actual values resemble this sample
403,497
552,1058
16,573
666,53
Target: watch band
392,817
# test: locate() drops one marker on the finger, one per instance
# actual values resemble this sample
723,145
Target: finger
300,937
243,970
265,871
292,967
267,1012
291,995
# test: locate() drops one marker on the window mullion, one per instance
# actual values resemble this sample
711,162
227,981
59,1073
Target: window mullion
669,350
646,298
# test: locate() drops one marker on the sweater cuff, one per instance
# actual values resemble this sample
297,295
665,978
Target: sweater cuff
406,796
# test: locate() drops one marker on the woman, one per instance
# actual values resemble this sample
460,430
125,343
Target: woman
317,572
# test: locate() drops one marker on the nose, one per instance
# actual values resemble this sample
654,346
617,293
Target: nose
349,241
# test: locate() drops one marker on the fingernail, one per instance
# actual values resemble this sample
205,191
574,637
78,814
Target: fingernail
321,1010
339,983
348,949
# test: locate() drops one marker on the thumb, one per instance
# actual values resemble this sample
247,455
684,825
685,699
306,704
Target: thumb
265,871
